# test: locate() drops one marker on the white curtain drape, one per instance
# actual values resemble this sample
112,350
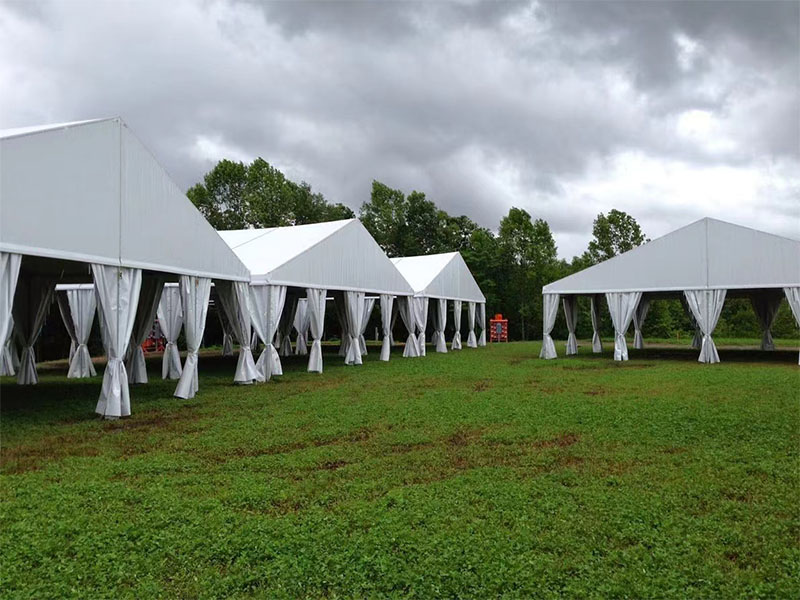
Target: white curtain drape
369,306
234,297
472,341
301,324
170,319
9,274
549,314
706,306
284,335
639,315
793,297
482,324
439,324
78,308
766,305
117,290
149,297
395,312
621,306
697,339
354,315
571,316
31,304
227,334
195,292
405,306
421,316
266,307
387,304
339,305
456,343
316,300
597,345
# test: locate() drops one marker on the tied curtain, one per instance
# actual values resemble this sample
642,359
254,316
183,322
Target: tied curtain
341,316
31,303
793,297
766,305
227,333
9,274
149,297
621,306
117,290
571,315
439,323
170,319
597,345
387,304
549,314
456,343
472,342
421,316
285,329
354,315
369,306
316,315
482,324
706,306
639,315
195,292
301,324
77,308
234,296
266,307
405,307
697,339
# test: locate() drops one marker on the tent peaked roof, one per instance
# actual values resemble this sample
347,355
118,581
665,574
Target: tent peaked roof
440,276
90,191
336,255
707,254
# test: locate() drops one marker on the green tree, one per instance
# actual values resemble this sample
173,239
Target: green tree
221,196
613,234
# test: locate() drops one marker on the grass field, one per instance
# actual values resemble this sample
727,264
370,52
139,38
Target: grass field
482,473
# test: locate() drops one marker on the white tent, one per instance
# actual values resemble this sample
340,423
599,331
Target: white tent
702,263
87,201
339,256
444,277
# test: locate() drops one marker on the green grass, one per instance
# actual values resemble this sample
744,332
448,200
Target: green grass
482,473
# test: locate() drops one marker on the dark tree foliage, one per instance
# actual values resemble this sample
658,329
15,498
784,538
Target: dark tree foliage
614,234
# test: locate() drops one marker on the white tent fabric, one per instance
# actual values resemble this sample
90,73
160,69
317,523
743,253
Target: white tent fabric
621,306
66,318
387,303
439,324
571,316
421,317
354,315
316,313
482,324
766,305
639,315
285,329
195,292
31,303
405,306
340,305
149,297
369,306
440,276
456,343
301,324
227,333
117,298
170,319
9,274
266,307
706,306
234,296
793,297
597,344
549,315
9,362
395,312
472,342
79,305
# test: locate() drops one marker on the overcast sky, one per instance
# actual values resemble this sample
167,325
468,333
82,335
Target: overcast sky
669,111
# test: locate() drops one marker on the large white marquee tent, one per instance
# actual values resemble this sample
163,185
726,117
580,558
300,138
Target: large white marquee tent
444,277
305,262
701,263
86,201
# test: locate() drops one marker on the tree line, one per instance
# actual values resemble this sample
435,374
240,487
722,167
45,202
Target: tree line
511,265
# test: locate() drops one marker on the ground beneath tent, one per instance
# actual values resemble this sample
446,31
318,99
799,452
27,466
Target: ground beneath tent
474,474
